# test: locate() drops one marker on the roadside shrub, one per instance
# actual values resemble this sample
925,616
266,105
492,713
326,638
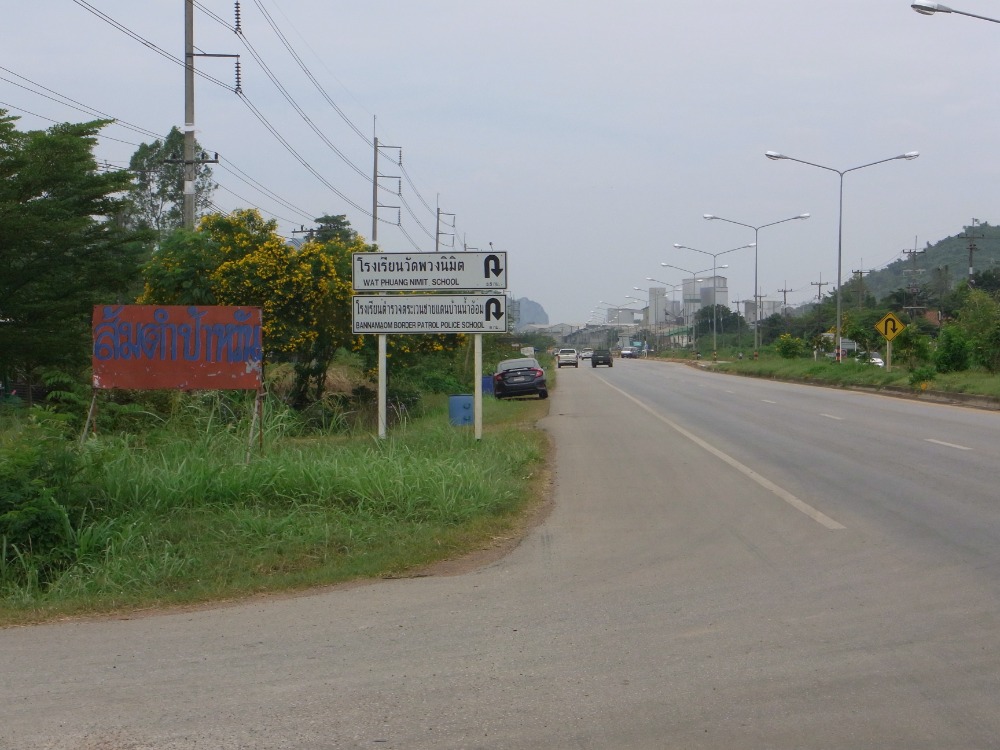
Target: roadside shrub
919,376
42,487
789,347
953,353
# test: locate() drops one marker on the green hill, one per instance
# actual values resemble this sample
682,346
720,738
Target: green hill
939,267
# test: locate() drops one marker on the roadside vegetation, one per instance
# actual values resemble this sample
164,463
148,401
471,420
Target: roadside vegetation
170,512
168,501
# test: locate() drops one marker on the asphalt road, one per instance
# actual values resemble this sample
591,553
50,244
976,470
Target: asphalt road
730,563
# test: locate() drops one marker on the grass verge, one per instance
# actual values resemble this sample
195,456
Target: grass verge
177,518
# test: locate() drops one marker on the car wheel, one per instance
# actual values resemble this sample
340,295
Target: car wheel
611,364
543,394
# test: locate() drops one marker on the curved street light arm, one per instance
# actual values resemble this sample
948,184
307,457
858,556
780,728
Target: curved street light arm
929,9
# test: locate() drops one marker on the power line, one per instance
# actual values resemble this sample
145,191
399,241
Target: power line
260,116
309,75
299,158
62,99
145,42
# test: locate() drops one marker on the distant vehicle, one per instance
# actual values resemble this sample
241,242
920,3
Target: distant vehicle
520,377
630,352
586,353
870,359
567,357
602,357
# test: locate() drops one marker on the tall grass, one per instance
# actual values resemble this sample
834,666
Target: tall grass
179,516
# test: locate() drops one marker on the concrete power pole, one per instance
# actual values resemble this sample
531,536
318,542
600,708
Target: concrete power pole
912,287
437,229
971,237
375,185
189,166
192,160
784,298
819,295
860,273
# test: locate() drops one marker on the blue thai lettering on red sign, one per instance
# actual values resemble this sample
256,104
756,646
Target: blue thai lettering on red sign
175,347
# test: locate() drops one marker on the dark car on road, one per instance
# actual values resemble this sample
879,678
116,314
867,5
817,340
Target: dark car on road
519,377
601,357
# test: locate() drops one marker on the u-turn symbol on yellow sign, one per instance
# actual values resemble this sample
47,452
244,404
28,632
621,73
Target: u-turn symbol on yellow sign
890,326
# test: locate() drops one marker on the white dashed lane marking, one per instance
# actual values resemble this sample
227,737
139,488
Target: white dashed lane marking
948,445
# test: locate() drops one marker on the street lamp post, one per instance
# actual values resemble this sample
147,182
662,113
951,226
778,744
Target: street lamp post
673,290
694,280
715,287
774,155
929,9
756,232
640,301
651,315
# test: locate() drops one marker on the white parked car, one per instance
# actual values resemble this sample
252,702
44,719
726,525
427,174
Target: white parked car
567,357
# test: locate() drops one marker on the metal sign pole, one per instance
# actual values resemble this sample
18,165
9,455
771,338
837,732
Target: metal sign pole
382,385
478,392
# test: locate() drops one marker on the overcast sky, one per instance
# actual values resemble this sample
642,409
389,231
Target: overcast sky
583,137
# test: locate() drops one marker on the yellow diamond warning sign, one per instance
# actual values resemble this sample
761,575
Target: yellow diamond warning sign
890,326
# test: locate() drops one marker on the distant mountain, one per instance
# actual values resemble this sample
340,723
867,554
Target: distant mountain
530,313
940,265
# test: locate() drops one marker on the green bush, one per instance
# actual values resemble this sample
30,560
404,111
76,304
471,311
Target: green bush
42,487
954,352
921,375
789,347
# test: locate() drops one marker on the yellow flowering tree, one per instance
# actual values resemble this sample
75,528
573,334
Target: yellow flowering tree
239,259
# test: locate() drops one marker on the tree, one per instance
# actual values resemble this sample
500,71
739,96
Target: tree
860,327
59,251
789,346
979,319
913,346
953,350
156,198
304,293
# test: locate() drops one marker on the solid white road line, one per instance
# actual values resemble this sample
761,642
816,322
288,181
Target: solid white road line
831,416
767,484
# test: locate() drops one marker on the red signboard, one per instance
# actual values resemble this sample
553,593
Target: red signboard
148,347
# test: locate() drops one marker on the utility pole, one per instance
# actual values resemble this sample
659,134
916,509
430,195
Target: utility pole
740,322
191,160
784,298
437,230
375,185
820,284
972,246
819,300
912,286
383,340
860,273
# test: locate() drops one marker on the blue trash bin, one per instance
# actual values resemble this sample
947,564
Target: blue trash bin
487,385
460,410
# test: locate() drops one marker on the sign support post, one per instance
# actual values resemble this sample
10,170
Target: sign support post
477,398
382,386
448,308
890,327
